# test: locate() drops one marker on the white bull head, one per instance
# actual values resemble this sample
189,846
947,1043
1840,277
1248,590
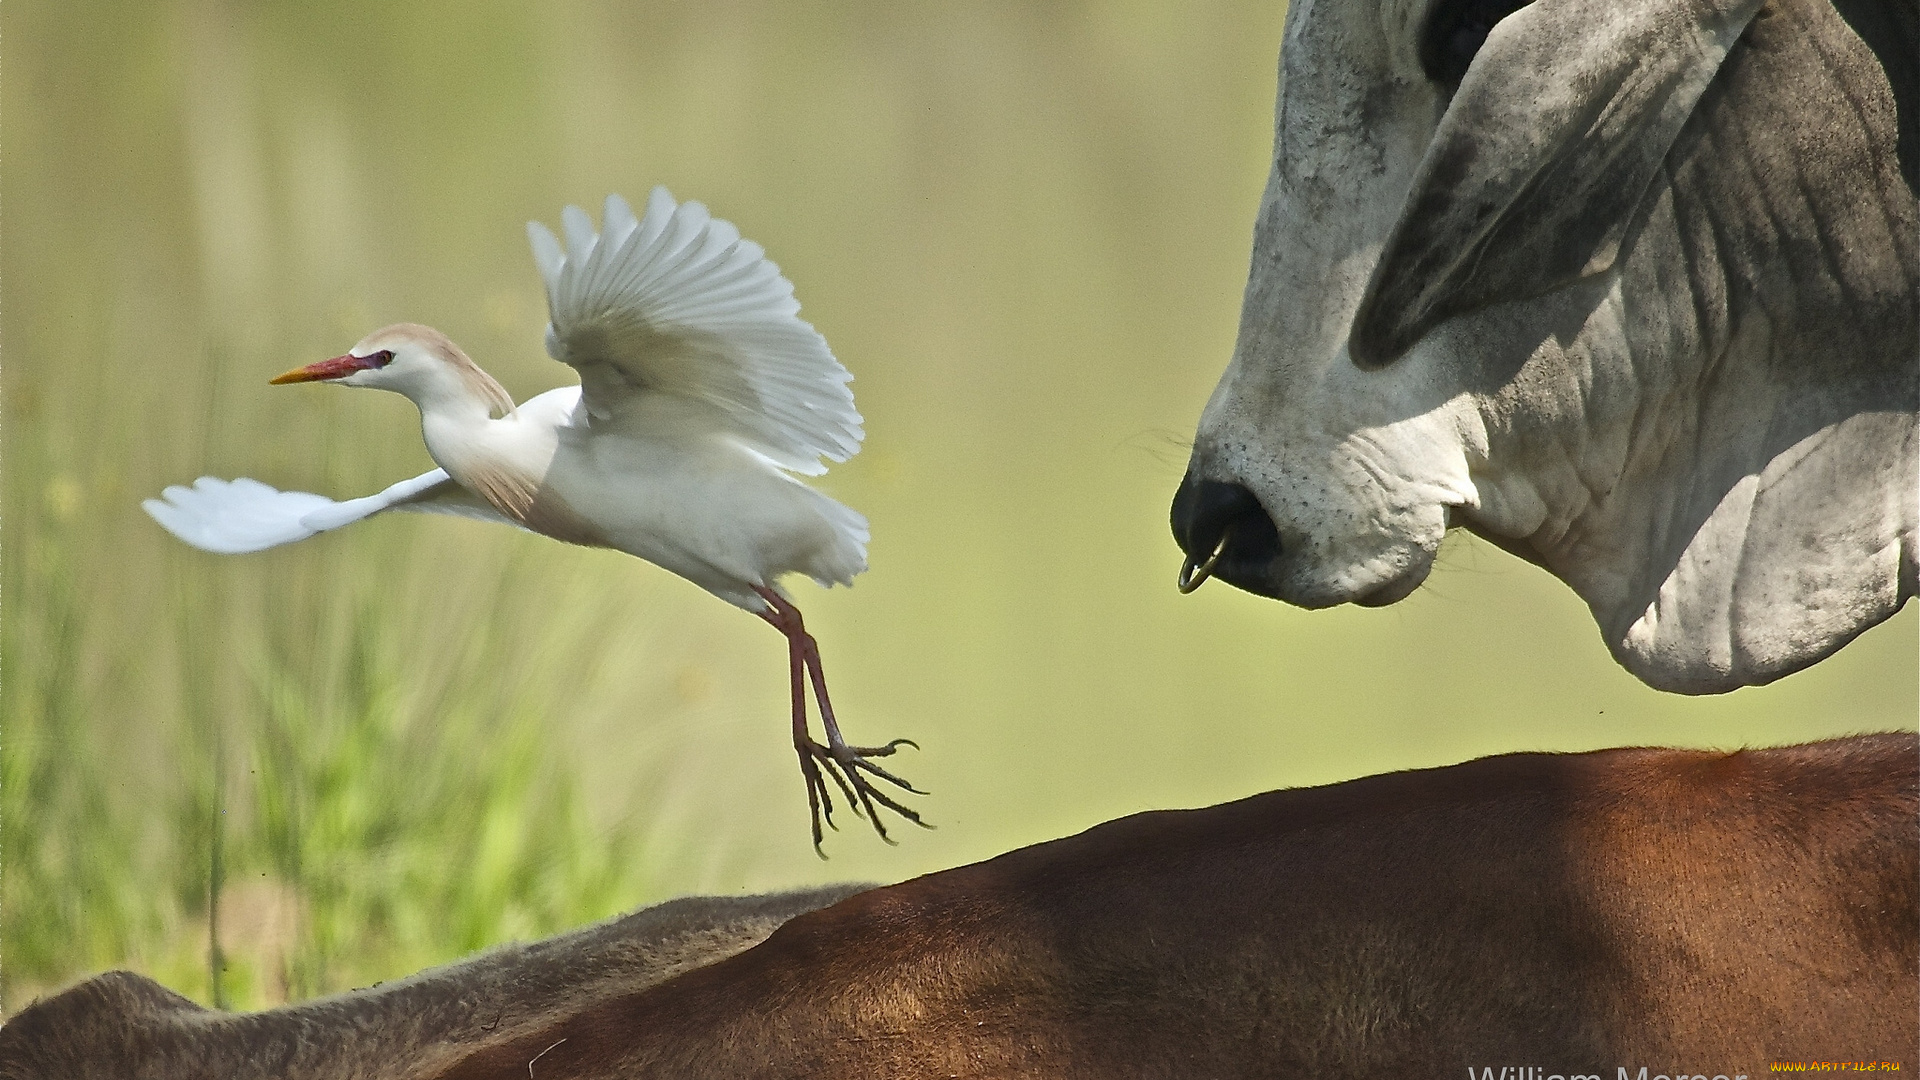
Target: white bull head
1627,287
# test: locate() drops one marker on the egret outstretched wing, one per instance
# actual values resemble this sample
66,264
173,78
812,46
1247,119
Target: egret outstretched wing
678,303
230,517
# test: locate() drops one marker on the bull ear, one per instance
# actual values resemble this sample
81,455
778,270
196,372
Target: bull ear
1558,127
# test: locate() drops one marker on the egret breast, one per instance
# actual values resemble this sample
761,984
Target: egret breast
532,503
510,462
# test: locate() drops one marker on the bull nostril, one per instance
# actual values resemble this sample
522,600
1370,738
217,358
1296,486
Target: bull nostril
1203,510
1223,528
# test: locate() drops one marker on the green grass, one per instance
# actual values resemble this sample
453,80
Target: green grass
72,898
356,813
411,828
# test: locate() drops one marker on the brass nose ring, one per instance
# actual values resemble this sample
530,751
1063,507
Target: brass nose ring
1193,575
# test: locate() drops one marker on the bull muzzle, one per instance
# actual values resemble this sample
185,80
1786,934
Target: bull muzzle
1225,533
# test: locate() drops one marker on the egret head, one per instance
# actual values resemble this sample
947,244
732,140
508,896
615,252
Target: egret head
409,359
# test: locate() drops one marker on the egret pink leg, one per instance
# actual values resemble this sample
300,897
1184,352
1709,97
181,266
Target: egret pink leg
816,789
844,763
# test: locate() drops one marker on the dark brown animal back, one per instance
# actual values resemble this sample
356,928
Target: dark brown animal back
1578,912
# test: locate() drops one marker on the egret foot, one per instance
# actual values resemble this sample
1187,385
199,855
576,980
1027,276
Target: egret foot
848,766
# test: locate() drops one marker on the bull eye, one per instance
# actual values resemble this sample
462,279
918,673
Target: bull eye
1454,32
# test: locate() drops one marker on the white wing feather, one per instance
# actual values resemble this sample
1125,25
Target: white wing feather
230,517
678,303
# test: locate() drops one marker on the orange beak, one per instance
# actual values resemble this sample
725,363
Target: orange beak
338,367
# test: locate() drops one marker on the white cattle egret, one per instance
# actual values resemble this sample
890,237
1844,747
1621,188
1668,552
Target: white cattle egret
701,393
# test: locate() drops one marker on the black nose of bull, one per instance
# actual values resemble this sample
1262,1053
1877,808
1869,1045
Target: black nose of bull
1225,533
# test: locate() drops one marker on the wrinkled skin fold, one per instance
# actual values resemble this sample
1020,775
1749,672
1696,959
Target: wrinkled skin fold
1636,301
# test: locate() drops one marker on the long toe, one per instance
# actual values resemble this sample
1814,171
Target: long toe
852,763
856,762
883,751
819,800
849,768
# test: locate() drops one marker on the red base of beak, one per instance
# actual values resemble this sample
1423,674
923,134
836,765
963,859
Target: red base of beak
338,367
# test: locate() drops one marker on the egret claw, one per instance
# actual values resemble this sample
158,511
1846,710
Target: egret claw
845,765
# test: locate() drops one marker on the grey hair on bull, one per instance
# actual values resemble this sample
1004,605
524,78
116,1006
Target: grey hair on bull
1630,288
123,1026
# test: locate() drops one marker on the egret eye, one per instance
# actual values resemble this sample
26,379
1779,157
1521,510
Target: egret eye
1454,32
379,359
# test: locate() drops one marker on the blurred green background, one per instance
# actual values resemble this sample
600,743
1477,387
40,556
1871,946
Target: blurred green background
1023,226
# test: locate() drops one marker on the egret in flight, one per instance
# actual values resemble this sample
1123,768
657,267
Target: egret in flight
702,393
